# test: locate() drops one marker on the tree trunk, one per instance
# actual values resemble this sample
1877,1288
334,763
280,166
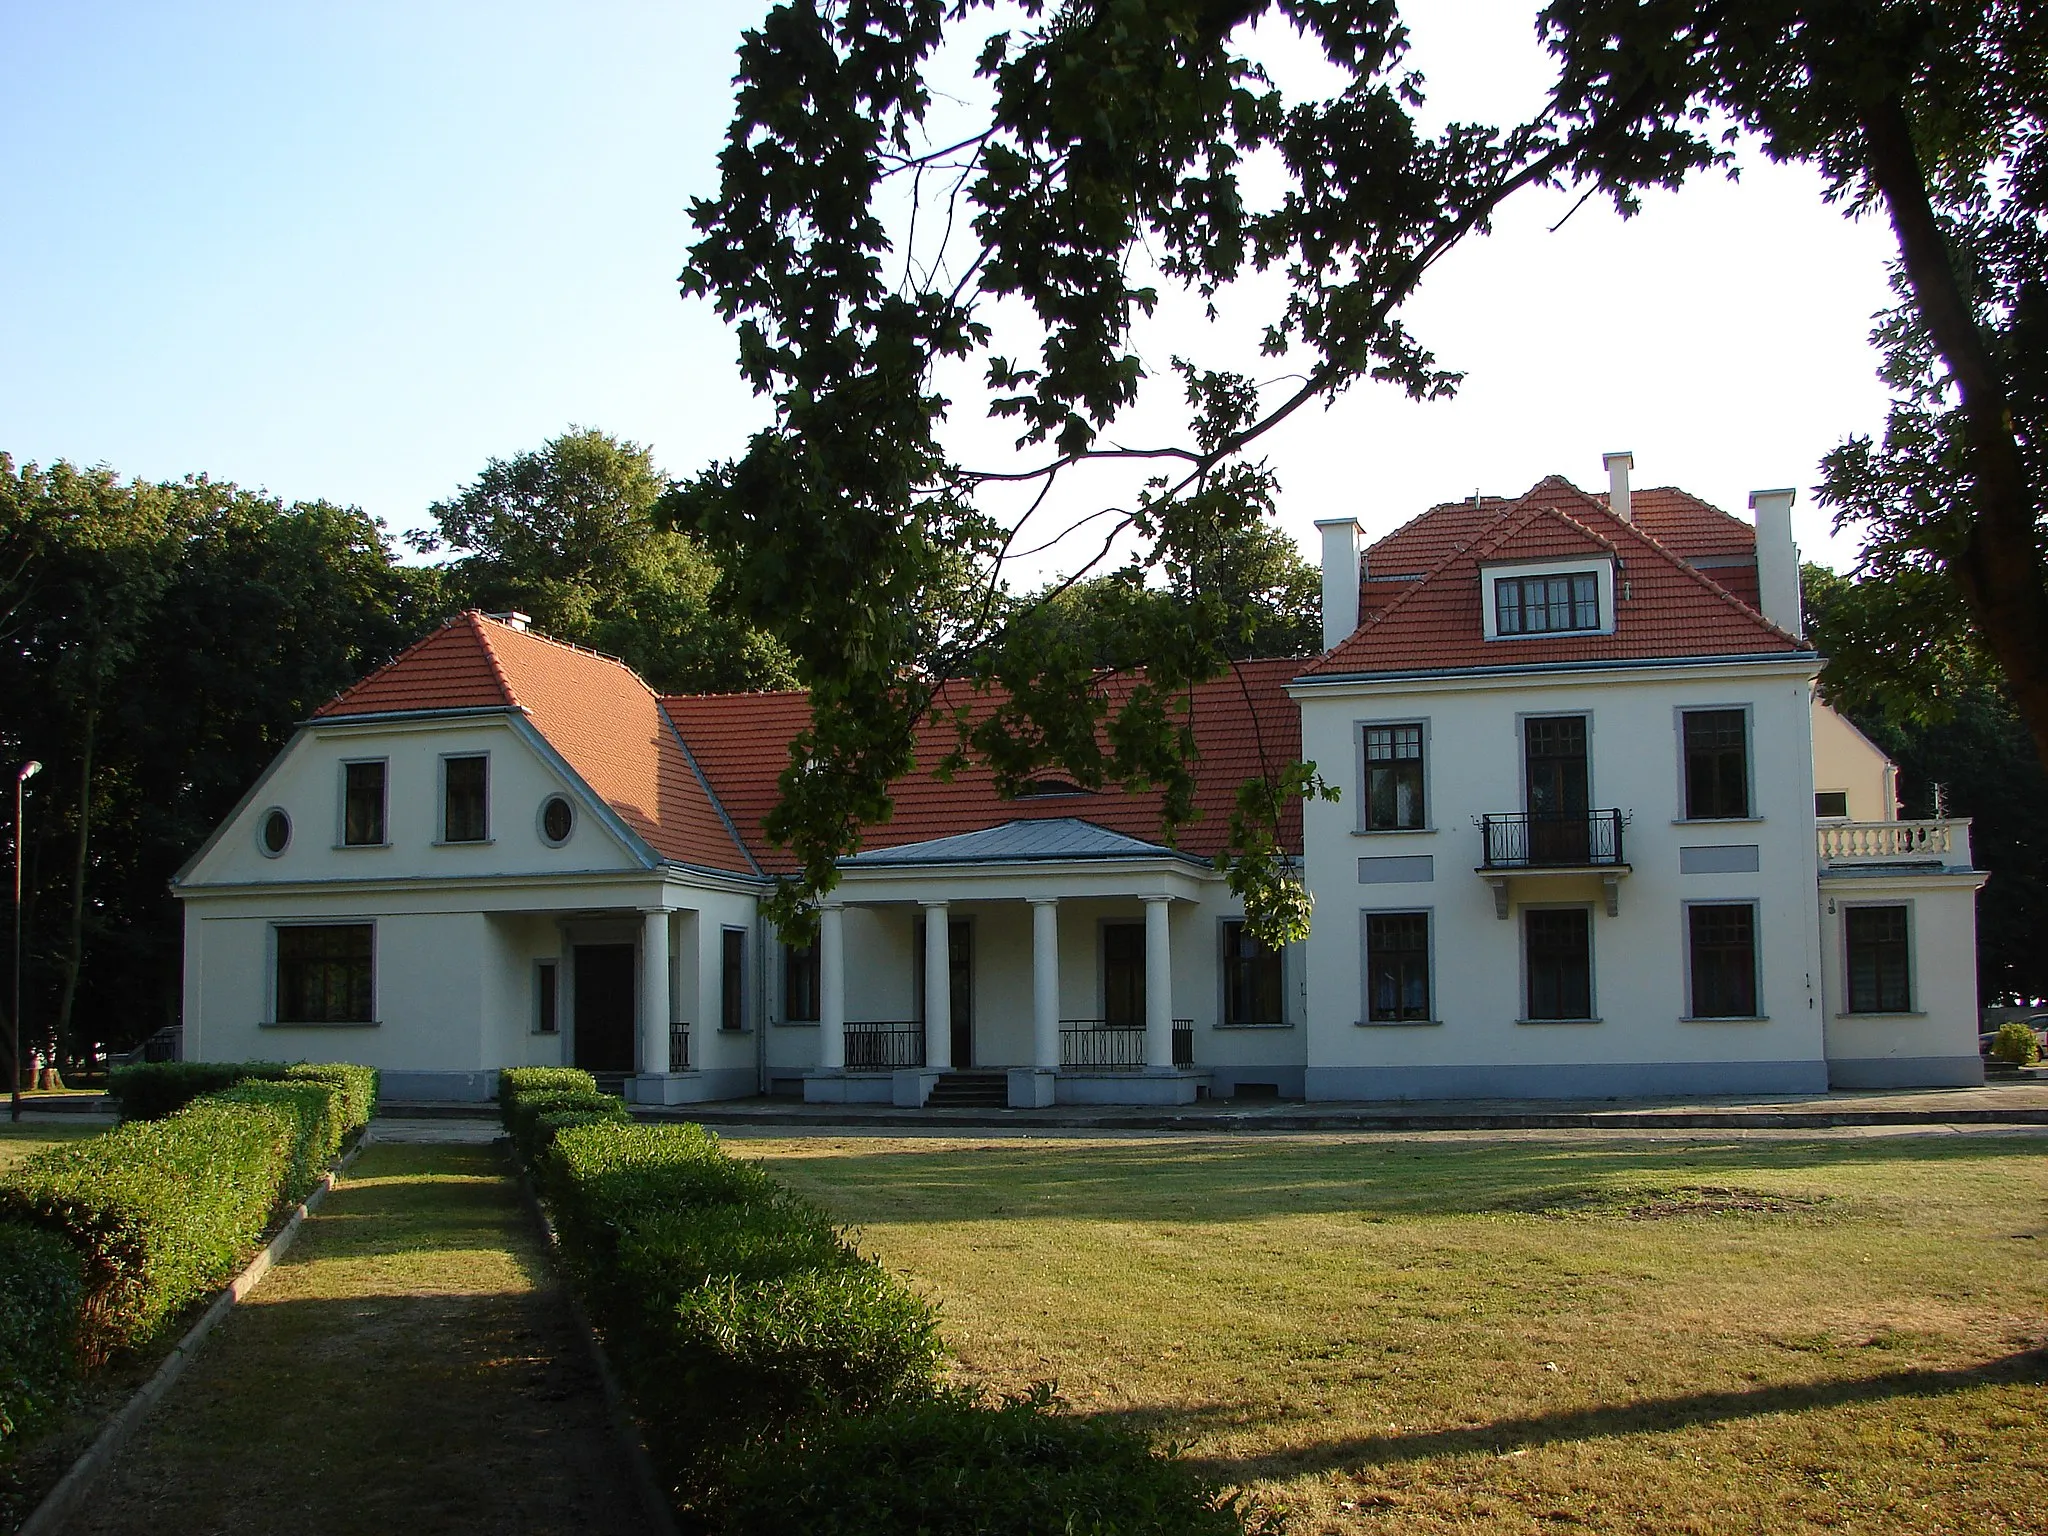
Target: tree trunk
74,937
1998,566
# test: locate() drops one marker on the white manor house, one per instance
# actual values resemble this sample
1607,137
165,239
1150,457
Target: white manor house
1598,837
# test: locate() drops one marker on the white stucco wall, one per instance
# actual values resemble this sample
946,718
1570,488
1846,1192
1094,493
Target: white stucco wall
1644,1043
1934,1042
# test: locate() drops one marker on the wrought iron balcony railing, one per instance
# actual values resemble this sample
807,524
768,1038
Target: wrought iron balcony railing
1528,840
883,1045
1094,1045
679,1047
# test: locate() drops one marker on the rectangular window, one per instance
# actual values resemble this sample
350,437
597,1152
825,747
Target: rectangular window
801,983
732,979
324,974
1880,971
1251,978
546,999
1558,943
1397,967
465,799
1538,605
1722,950
1716,764
1831,804
1393,778
362,805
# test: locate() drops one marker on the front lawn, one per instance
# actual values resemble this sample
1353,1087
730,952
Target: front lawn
1446,1334
29,1137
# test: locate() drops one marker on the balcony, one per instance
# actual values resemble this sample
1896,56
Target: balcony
1936,844
884,1045
1091,1045
1528,843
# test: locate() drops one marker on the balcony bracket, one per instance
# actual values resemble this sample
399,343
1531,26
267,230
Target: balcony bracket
1500,896
1611,884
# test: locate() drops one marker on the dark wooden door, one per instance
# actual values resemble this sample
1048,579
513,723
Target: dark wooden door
604,1007
1123,974
1555,763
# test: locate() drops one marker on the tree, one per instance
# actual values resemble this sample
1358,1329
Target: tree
161,642
1941,713
1936,115
569,535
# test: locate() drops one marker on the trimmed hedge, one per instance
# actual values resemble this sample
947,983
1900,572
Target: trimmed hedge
162,1211
319,1113
41,1284
515,1082
152,1090
954,1466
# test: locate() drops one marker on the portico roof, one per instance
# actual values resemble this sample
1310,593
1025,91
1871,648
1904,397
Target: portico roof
1065,839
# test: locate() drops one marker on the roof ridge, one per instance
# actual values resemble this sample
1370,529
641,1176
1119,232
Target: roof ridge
483,639
378,671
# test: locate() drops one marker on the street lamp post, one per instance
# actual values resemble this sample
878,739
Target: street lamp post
27,771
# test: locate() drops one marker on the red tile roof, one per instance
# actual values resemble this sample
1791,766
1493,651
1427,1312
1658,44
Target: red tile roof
596,712
1665,608
741,741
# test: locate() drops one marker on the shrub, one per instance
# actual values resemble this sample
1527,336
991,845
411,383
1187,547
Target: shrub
522,1113
951,1466
539,1127
2015,1044
516,1082
162,1211
41,1284
152,1090
319,1113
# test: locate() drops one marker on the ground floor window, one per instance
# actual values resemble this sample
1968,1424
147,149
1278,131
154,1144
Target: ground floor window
1557,945
1397,967
1251,978
1880,973
801,983
1722,961
732,995
324,974
547,999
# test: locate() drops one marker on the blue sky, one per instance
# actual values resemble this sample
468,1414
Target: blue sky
354,251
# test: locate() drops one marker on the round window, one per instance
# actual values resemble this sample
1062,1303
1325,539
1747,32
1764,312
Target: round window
276,833
557,819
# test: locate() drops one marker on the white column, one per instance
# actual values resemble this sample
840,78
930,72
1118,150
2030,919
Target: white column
1158,983
938,989
831,988
654,1004
1045,983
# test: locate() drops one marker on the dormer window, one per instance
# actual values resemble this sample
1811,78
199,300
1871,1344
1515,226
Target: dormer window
1527,600
1047,788
1536,605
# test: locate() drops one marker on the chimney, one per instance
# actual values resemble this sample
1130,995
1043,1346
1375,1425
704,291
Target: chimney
1619,501
512,620
1777,560
1341,575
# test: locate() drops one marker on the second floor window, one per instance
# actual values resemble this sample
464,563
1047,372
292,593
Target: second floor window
465,799
1540,605
1252,979
1716,764
362,805
1393,777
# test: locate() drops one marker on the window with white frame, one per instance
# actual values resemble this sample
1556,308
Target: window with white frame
1564,603
362,804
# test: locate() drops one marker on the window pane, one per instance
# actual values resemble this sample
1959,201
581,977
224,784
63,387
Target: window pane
464,819
1558,943
1880,977
324,974
1723,955
1716,764
1507,606
1397,966
362,822
1831,802
1393,777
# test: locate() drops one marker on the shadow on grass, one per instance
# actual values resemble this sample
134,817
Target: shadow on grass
1652,1416
1223,1181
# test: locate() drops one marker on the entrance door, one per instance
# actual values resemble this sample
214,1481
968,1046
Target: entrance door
1555,768
604,1007
960,989
1123,974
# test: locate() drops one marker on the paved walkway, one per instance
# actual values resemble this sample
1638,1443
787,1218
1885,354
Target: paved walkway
410,1367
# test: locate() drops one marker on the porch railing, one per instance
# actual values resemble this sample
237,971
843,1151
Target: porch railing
679,1047
1527,840
1875,841
1095,1045
883,1045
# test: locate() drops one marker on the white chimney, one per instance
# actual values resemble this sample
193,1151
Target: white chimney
1340,579
1619,501
512,620
1777,560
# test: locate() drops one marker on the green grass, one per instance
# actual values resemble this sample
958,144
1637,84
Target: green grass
1437,1335
409,1367
18,1141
